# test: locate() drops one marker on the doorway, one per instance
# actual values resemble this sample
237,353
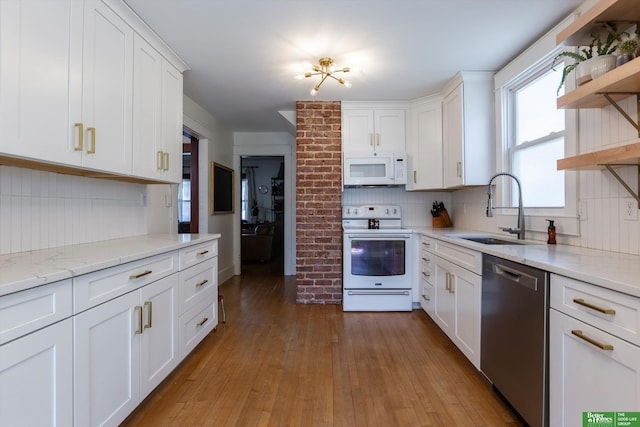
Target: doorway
262,210
188,200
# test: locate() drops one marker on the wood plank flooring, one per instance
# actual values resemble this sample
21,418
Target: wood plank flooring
276,363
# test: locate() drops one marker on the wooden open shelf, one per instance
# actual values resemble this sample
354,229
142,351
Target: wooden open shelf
620,83
578,33
624,155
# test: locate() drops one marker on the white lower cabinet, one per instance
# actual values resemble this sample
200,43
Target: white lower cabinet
451,294
122,350
592,368
36,378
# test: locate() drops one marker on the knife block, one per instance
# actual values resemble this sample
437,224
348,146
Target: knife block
441,221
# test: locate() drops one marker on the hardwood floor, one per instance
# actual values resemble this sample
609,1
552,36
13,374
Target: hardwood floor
275,363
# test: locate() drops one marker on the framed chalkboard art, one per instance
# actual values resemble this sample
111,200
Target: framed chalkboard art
220,189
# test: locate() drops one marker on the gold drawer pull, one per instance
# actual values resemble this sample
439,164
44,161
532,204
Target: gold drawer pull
202,322
426,259
202,283
582,302
137,276
159,161
427,244
149,306
92,150
138,310
601,346
426,297
80,136
202,253
426,274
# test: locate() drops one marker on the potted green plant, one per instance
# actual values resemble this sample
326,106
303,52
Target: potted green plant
582,59
627,48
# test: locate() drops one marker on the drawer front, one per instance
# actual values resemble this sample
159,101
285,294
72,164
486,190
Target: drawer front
427,244
198,283
427,297
100,286
26,311
465,258
195,324
195,254
611,311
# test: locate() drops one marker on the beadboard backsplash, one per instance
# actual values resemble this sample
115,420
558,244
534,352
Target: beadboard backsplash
40,210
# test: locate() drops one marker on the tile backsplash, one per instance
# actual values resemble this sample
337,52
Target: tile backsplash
40,210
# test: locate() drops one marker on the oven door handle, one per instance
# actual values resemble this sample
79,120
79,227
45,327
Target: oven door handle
380,292
377,236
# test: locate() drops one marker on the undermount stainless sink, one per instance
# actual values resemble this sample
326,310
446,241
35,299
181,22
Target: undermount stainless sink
489,240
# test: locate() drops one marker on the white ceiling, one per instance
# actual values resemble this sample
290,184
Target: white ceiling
243,54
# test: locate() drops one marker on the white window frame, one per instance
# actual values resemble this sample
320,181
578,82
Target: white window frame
526,67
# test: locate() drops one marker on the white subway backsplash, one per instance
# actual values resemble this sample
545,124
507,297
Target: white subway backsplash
40,210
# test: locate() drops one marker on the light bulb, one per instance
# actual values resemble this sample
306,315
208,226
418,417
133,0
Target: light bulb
313,91
347,84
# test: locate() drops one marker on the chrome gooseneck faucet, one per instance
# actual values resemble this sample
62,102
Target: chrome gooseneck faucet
519,230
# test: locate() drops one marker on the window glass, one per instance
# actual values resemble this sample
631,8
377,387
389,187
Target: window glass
537,114
542,184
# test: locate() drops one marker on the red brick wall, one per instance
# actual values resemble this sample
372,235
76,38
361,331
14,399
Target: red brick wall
318,203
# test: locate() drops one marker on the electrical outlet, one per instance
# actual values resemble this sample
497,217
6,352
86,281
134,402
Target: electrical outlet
582,210
629,209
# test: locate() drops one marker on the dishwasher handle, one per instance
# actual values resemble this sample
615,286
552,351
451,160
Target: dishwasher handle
516,276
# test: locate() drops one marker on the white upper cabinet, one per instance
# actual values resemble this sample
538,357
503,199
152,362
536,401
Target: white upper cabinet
67,90
372,128
107,90
424,144
468,129
40,78
157,115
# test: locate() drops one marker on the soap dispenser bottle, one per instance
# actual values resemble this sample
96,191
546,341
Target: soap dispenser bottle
551,232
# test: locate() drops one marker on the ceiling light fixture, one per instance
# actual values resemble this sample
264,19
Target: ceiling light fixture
326,69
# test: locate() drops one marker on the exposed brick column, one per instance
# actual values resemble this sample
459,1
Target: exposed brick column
318,203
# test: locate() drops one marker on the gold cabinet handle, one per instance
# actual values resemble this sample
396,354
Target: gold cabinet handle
426,298
425,259
80,137
459,169
92,150
149,306
378,139
165,162
446,282
159,160
202,322
426,274
138,310
202,253
583,303
144,273
415,177
601,346
371,139
204,282
427,244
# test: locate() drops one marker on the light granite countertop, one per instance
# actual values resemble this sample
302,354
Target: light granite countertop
612,270
27,270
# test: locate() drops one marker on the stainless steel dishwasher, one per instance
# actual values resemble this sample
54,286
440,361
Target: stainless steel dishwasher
514,343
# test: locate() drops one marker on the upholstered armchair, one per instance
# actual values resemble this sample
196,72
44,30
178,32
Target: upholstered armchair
256,246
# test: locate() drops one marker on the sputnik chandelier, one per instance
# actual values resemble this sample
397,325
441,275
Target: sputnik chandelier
324,70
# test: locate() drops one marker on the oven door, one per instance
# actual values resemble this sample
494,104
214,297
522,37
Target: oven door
377,272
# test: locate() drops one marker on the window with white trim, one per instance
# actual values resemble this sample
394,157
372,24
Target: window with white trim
536,136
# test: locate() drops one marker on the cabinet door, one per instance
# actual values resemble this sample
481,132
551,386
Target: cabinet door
584,377
172,122
425,147
454,138
40,82
159,341
389,131
36,374
466,288
107,74
357,131
444,314
147,110
106,362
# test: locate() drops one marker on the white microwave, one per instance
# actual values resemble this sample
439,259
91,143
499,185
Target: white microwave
374,169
